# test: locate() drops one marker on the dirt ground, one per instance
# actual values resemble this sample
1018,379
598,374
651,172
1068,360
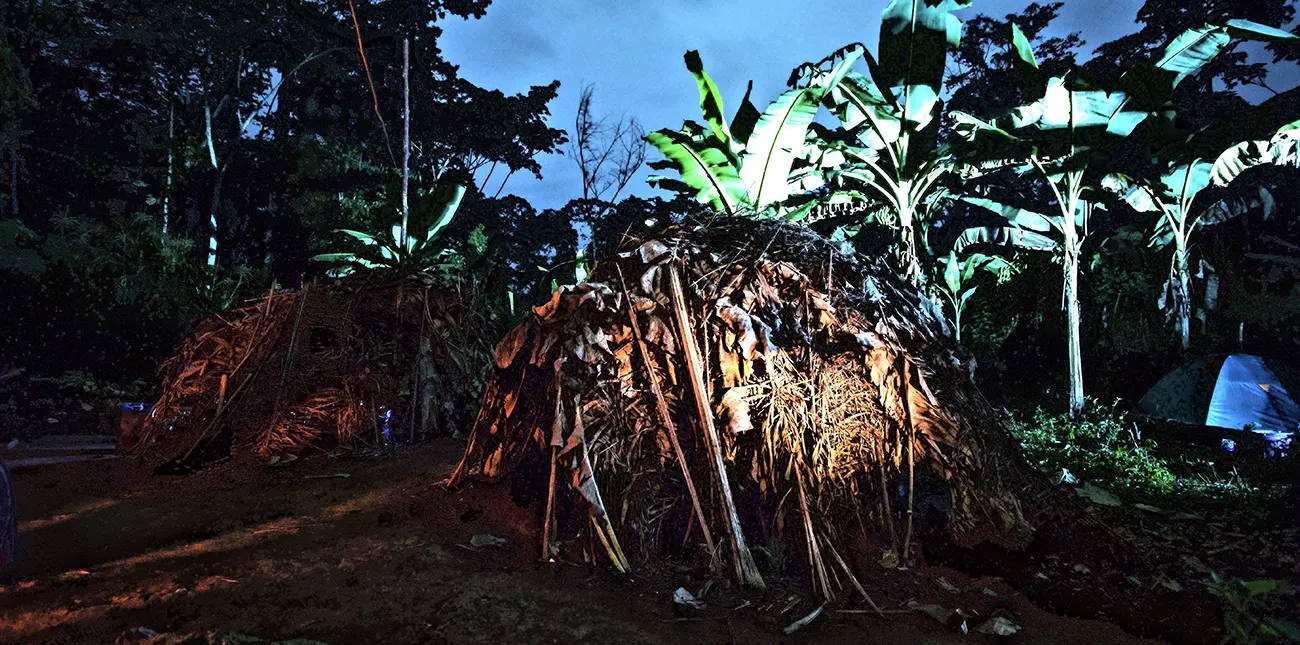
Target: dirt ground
382,556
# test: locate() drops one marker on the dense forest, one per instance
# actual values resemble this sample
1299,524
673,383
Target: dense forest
165,164
989,208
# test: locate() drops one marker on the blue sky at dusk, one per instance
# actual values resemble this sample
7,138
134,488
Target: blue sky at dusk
632,53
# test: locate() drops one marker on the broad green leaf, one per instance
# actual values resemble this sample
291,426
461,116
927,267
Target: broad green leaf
1282,149
965,295
1186,179
1283,629
1237,205
333,257
1261,587
968,267
703,166
1152,86
742,125
1021,218
915,36
864,109
1132,191
1194,48
952,273
1022,47
365,238
1004,236
1062,108
778,138
446,200
710,99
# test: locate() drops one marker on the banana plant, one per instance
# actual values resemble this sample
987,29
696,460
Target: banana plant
957,276
1187,169
1067,136
425,249
742,167
888,138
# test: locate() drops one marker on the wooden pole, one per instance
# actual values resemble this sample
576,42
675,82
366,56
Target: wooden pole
670,428
406,136
740,555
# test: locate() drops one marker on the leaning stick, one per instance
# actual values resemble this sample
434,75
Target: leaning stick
609,550
666,417
740,555
911,455
852,578
554,444
550,509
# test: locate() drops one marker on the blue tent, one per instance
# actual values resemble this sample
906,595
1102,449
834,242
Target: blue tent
1237,391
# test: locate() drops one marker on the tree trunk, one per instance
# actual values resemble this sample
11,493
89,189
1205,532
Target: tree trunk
1072,338
212,216
406,139
909,258
167,195
1182,296
13,179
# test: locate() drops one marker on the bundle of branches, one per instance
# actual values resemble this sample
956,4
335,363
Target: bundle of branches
735,379
347,363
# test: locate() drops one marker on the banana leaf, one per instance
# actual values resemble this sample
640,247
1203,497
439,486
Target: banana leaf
710,100
742,125
1152,86
779,136
446,200
915,36
1003,236
704,166
1020,218
1282,149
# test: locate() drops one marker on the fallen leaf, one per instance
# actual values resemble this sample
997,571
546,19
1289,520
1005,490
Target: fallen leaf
946,586
1098,495
998,626
889,559
684,597
803,622
484,540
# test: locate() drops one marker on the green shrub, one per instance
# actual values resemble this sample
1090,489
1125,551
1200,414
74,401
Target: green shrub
1246,605
1103,446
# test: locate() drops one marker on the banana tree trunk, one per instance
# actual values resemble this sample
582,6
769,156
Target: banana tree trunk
167,193
1182,295
1074,350
909,259
212,216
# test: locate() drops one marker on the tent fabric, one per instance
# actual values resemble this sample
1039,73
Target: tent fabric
1237,391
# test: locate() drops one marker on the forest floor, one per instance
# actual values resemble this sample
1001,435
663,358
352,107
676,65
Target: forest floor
383,555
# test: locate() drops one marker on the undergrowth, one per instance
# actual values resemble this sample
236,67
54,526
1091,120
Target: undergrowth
1105,447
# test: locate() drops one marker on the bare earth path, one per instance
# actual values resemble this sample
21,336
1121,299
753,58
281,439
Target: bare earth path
377,557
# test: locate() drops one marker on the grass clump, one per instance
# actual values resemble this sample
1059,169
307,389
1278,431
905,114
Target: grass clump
1104,446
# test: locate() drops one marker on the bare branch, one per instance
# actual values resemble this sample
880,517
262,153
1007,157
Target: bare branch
607,153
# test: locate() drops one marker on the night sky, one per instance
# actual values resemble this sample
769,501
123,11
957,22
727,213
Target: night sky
631,51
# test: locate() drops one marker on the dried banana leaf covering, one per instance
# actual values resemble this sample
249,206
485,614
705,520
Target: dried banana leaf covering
821,373
355,362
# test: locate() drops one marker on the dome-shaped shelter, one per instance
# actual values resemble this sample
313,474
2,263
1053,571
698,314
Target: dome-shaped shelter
742,380
1235,391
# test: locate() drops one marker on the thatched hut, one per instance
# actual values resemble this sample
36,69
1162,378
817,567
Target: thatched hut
359,361
739,383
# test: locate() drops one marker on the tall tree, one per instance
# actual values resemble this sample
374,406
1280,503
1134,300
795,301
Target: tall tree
1069,136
